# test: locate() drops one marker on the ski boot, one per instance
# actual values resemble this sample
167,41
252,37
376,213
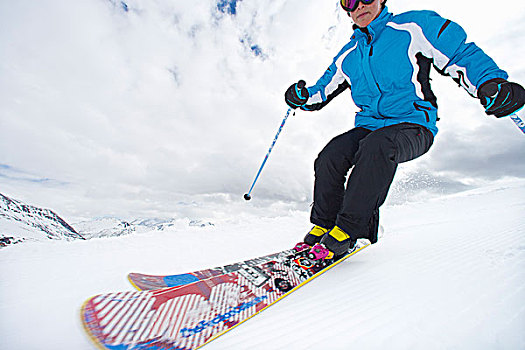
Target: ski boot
315,235
311,238
338,242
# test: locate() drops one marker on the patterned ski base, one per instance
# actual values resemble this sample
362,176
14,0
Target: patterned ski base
188,317
151,282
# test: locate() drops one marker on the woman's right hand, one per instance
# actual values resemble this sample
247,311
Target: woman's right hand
296,95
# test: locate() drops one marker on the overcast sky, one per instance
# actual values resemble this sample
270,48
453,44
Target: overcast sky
140,108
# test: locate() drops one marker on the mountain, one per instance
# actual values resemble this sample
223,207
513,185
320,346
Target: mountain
20,221
114,227
104,227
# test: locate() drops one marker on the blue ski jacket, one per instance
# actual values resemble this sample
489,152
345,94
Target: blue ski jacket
387,66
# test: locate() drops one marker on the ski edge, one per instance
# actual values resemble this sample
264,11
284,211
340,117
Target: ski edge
286,294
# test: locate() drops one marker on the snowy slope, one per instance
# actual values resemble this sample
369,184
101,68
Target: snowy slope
21,221
449,273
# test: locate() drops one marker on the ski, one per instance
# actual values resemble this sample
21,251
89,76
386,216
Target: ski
150,282
190,316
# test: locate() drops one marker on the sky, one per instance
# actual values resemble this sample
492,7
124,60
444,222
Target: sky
162,108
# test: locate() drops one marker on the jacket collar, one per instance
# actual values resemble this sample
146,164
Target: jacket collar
375,28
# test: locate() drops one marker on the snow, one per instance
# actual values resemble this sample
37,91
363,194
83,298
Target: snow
448,273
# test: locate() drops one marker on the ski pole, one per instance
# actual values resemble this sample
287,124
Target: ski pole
519,121
247,196
515,117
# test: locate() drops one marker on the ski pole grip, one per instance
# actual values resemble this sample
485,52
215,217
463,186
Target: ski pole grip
301,84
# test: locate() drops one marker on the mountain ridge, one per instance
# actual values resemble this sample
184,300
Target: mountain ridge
21,222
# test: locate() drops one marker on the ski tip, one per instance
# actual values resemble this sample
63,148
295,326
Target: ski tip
87,329
130,279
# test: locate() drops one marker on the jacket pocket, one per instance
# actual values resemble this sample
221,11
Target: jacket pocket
424,109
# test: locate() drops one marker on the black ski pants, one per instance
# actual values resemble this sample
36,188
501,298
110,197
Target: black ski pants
374,156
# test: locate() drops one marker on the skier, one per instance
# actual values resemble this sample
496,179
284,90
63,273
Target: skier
386,64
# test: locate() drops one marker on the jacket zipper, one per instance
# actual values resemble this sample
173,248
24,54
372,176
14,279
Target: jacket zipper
368,71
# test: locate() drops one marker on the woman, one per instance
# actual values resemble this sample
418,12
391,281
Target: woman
387,65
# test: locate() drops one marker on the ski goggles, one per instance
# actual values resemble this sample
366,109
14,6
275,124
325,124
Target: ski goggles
351,5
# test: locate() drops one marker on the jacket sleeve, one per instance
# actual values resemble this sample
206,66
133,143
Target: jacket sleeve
330,85
444,42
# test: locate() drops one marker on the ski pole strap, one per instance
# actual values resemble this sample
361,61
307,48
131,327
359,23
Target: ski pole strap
247,196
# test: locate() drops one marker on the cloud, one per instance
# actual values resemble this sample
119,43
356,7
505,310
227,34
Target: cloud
132,105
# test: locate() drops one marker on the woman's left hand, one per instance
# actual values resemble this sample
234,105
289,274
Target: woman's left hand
501,98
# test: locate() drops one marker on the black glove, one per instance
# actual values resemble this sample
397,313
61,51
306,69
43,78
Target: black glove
500,97
296,95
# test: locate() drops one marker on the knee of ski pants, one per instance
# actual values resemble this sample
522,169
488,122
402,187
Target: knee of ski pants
339,153
331,158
